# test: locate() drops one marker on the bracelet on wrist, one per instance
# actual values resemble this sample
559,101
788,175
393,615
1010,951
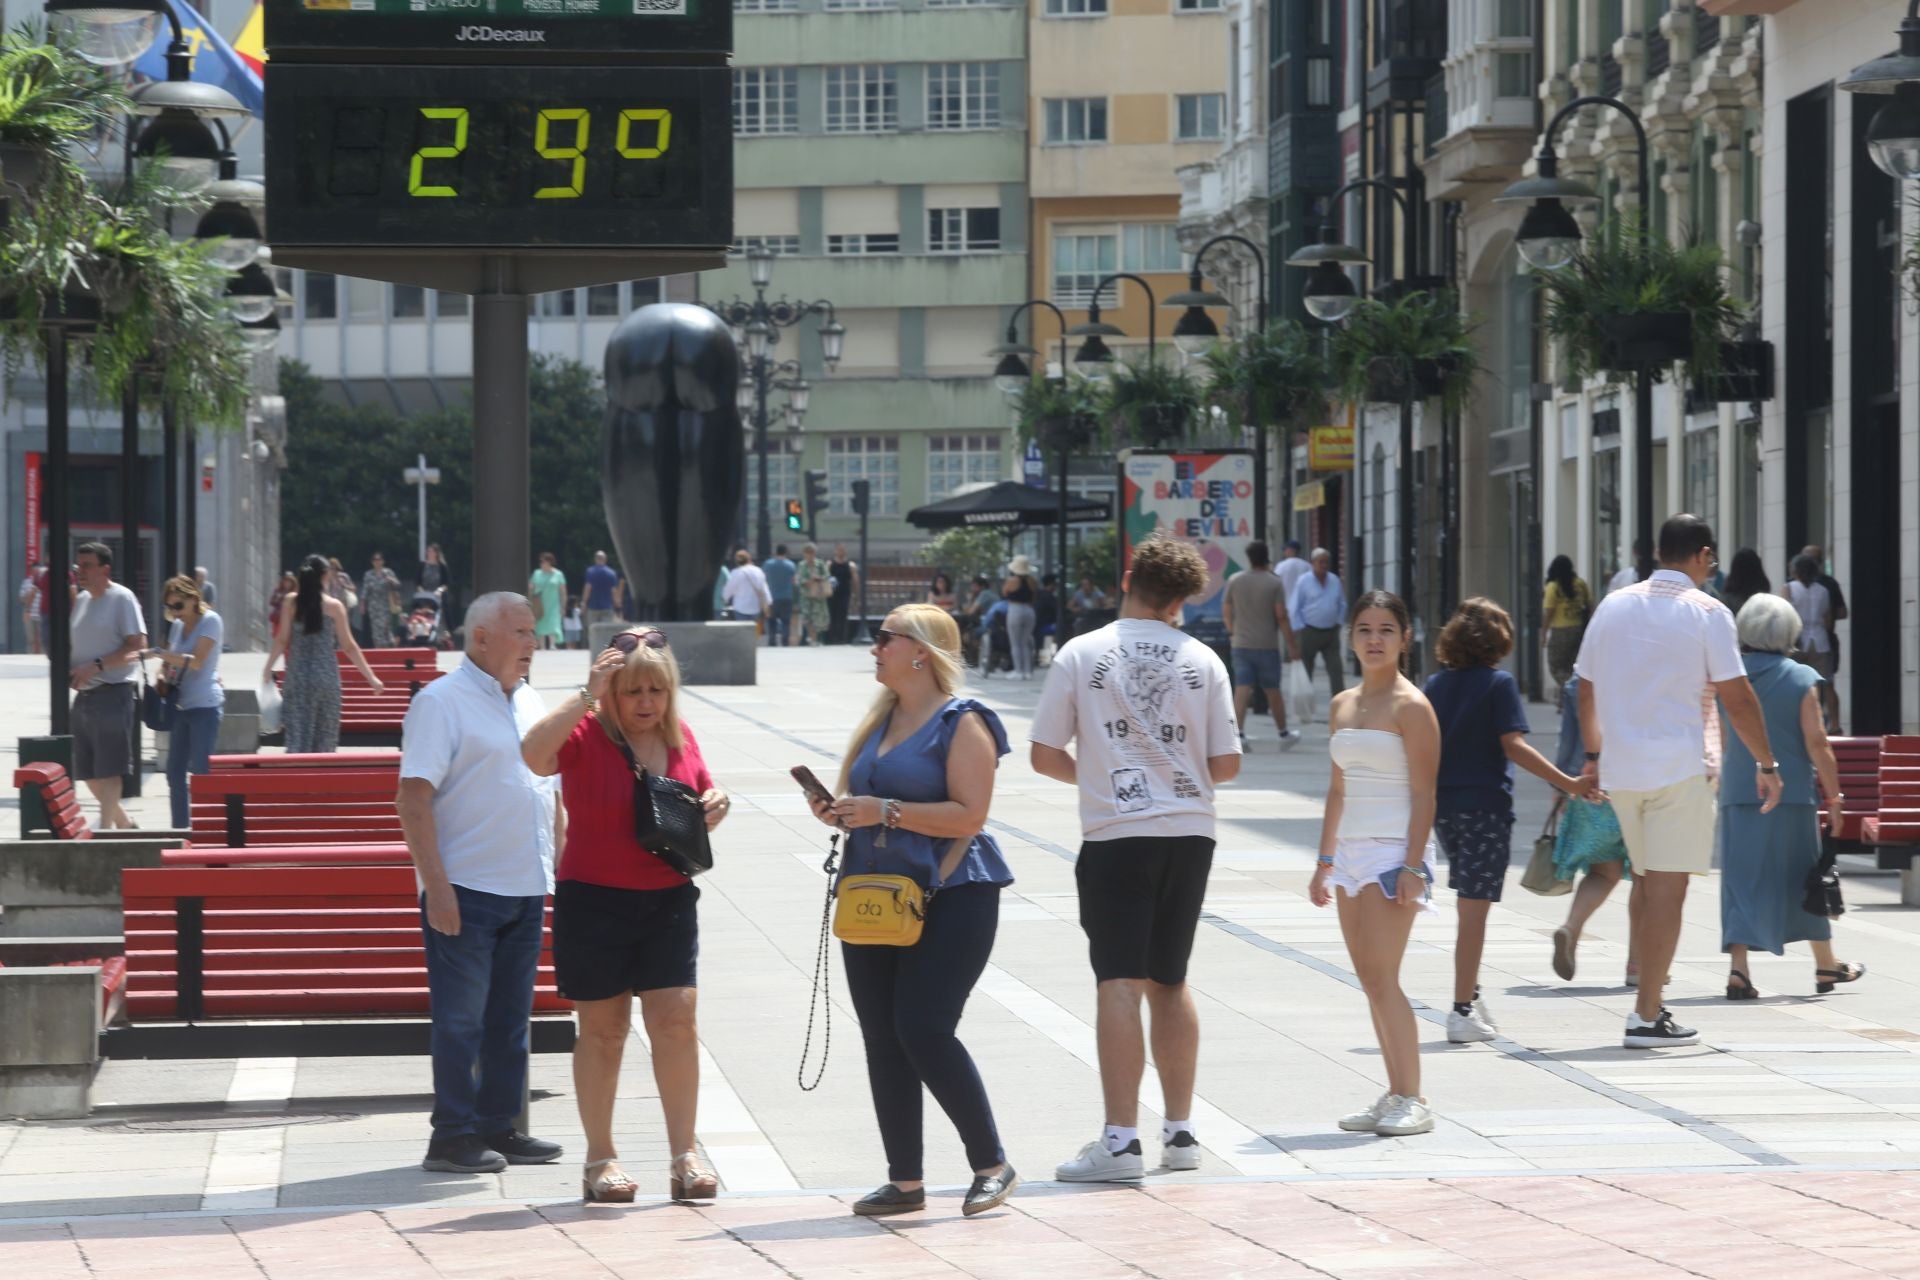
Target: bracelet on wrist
1324,860
890,814
592,703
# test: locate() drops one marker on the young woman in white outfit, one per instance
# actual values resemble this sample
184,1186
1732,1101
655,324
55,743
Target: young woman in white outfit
1375,846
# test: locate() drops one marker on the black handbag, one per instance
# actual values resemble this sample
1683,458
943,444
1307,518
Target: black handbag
668,821
158,702
1823,890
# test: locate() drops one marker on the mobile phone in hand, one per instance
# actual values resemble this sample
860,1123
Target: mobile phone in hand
810,784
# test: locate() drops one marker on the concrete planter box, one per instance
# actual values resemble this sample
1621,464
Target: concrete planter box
51,1050
64,888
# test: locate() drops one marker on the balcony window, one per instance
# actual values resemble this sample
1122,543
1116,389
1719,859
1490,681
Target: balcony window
1197,6
1080,262
779,246
863,99
875,459
864,244
765,100
1076,121
1198,117
963,230
1151,246
1513,20
953,461
1076,8
1513,75
963,95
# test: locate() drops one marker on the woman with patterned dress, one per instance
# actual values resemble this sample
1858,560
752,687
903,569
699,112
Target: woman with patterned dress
548,588
312,625
812,585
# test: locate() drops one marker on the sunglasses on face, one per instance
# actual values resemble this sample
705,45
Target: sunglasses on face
175,606
885,637
628,641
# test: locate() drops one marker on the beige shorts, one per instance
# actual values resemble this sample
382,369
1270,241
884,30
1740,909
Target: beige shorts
1670,829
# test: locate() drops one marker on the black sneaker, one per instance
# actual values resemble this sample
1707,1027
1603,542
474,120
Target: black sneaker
1658,1034
518,1148
462,1153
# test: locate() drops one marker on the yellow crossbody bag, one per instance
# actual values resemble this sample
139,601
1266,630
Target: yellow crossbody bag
888,910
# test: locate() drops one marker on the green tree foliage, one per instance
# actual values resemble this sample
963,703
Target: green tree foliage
964,552
344,496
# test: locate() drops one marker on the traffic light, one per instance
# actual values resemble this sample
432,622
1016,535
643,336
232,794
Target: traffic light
862,490
816,492
796,515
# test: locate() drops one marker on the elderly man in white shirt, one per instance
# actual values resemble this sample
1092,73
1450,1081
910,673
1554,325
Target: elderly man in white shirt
482,829
1654,656
746,593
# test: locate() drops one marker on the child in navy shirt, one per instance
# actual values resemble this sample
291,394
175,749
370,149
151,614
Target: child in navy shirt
1483,728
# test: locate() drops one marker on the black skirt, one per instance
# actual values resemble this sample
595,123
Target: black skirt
610,942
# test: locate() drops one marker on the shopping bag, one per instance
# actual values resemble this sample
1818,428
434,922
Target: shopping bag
1540,876
1298,687
269,708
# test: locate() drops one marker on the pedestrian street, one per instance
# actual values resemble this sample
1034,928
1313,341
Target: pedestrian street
1791,1126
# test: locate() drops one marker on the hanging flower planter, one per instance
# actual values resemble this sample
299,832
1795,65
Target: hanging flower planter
1745,375
1416,348
1645,338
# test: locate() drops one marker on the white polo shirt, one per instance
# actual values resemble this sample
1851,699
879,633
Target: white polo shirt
1652,652
493,816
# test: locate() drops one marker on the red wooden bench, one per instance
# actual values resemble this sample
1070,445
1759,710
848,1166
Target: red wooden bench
373,759
238,807
209,949
1883,818
369,719
57,797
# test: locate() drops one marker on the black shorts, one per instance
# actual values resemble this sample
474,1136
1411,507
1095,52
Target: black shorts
102,725
1479,845
609,942
1140,903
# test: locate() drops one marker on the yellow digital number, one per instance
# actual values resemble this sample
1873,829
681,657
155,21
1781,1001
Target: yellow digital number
576,153
659,117
459,117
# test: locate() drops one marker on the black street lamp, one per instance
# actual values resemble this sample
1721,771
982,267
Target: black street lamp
1195,332
756,326
1893,135
1011,374
1094,360
1548,239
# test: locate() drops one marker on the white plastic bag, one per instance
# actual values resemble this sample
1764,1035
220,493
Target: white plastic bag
1299,693
269,697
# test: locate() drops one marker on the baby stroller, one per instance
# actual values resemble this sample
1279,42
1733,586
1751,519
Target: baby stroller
423,619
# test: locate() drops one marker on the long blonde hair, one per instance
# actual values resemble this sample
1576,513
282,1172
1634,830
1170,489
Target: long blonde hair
933,628
646,661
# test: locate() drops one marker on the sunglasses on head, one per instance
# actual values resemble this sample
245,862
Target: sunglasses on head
628,641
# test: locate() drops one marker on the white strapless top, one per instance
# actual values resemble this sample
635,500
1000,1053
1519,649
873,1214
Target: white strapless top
1379,795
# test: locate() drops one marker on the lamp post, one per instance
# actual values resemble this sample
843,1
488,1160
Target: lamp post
756,325
1012,374
1094,359
1893,135
1548,239
1194,333
420,476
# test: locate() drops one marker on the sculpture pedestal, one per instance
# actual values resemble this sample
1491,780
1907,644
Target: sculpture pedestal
708,652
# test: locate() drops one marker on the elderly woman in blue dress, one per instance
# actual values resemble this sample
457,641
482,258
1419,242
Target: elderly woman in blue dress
1765,858
914,793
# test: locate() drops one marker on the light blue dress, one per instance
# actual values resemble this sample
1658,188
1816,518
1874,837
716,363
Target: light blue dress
1765,858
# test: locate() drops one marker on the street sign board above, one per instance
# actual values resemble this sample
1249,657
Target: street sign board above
506,30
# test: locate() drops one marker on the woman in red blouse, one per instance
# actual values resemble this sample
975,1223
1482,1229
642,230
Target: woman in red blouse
623,921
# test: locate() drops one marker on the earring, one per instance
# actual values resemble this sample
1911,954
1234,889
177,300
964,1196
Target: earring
918,664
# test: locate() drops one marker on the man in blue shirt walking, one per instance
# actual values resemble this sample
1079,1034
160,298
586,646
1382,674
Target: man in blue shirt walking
1318,607
601,579
780,573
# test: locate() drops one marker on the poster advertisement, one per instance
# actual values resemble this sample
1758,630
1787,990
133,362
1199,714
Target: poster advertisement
1210,498
33,508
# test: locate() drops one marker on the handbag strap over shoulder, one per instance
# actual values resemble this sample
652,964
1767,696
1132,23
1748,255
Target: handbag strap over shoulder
949,864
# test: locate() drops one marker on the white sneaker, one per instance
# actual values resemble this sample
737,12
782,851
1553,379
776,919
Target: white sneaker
1365,1121
1404,1116
1181,1152
1243,744
1097,1164
1662,1032
1472,1027
1290,739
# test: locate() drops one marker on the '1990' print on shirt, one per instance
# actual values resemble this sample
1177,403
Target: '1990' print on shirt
1138,681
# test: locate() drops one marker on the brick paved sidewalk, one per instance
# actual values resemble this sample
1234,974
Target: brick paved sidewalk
1809,1226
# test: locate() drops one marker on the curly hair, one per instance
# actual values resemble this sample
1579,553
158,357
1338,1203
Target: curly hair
1166,571
1479,634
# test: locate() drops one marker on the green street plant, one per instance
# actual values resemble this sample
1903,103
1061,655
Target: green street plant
1148,404
1275,378
50,102
1059,416
965,553
1417,347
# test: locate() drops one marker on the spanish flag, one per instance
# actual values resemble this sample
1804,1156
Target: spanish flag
249,44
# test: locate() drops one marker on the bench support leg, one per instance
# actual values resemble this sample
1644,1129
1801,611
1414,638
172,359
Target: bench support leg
1910,885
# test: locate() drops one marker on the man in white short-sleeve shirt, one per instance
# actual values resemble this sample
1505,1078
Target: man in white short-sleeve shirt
481,828
1654,656
1150,710
108,635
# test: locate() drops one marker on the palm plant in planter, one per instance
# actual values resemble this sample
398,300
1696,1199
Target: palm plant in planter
1059,416
50,100
1148,404
1629,301
1415,348
1275,379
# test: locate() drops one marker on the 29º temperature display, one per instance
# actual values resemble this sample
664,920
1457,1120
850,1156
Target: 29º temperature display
497,156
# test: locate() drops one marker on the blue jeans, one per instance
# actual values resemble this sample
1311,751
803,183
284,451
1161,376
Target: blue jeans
780,623
189,744
481,985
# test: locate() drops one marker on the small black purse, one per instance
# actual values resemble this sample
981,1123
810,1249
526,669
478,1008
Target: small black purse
668,821
158,703
1823,890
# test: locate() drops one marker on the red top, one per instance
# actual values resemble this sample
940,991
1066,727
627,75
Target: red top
598,789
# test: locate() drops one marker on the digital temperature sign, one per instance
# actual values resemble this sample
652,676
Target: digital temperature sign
484,157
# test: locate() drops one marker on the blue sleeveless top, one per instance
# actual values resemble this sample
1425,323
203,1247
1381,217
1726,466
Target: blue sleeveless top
915,771
1781,684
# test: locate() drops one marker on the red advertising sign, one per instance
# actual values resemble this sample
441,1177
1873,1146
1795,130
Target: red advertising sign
33,509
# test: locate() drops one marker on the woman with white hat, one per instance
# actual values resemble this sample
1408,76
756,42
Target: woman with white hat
1018,591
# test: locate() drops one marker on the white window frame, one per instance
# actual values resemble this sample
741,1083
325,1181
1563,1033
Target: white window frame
956,460
857,6
863,244
1135,250
778,246
766,6
1198,102
1061,112
874,458
949,230
1075,9
1197,6
974,89
1085,279
775,87
874,88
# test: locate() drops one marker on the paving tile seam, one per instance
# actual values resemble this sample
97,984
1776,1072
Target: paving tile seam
1599,1240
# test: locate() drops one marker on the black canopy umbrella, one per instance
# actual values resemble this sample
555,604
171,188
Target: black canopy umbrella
1007,507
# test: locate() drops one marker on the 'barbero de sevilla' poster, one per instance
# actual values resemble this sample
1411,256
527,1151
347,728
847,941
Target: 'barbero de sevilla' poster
1210,498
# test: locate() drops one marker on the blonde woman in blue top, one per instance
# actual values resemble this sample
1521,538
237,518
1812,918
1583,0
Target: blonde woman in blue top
915,790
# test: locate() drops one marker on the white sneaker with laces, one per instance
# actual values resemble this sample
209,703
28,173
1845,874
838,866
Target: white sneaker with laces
1290,739
1403,1117
1364,1121
1472,1027
1662,1032
1181,1152
1097,1164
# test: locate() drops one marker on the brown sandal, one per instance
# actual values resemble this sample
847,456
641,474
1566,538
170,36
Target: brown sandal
690,1181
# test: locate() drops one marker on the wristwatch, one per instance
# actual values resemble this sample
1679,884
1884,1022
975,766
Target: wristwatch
1593,755
1767,768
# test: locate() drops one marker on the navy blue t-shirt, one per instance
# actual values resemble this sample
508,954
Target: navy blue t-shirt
1476,708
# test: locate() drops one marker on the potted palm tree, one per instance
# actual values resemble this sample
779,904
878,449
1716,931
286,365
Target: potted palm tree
1629,302
1417,347
1149,404
1275,378
50,100
1060,416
